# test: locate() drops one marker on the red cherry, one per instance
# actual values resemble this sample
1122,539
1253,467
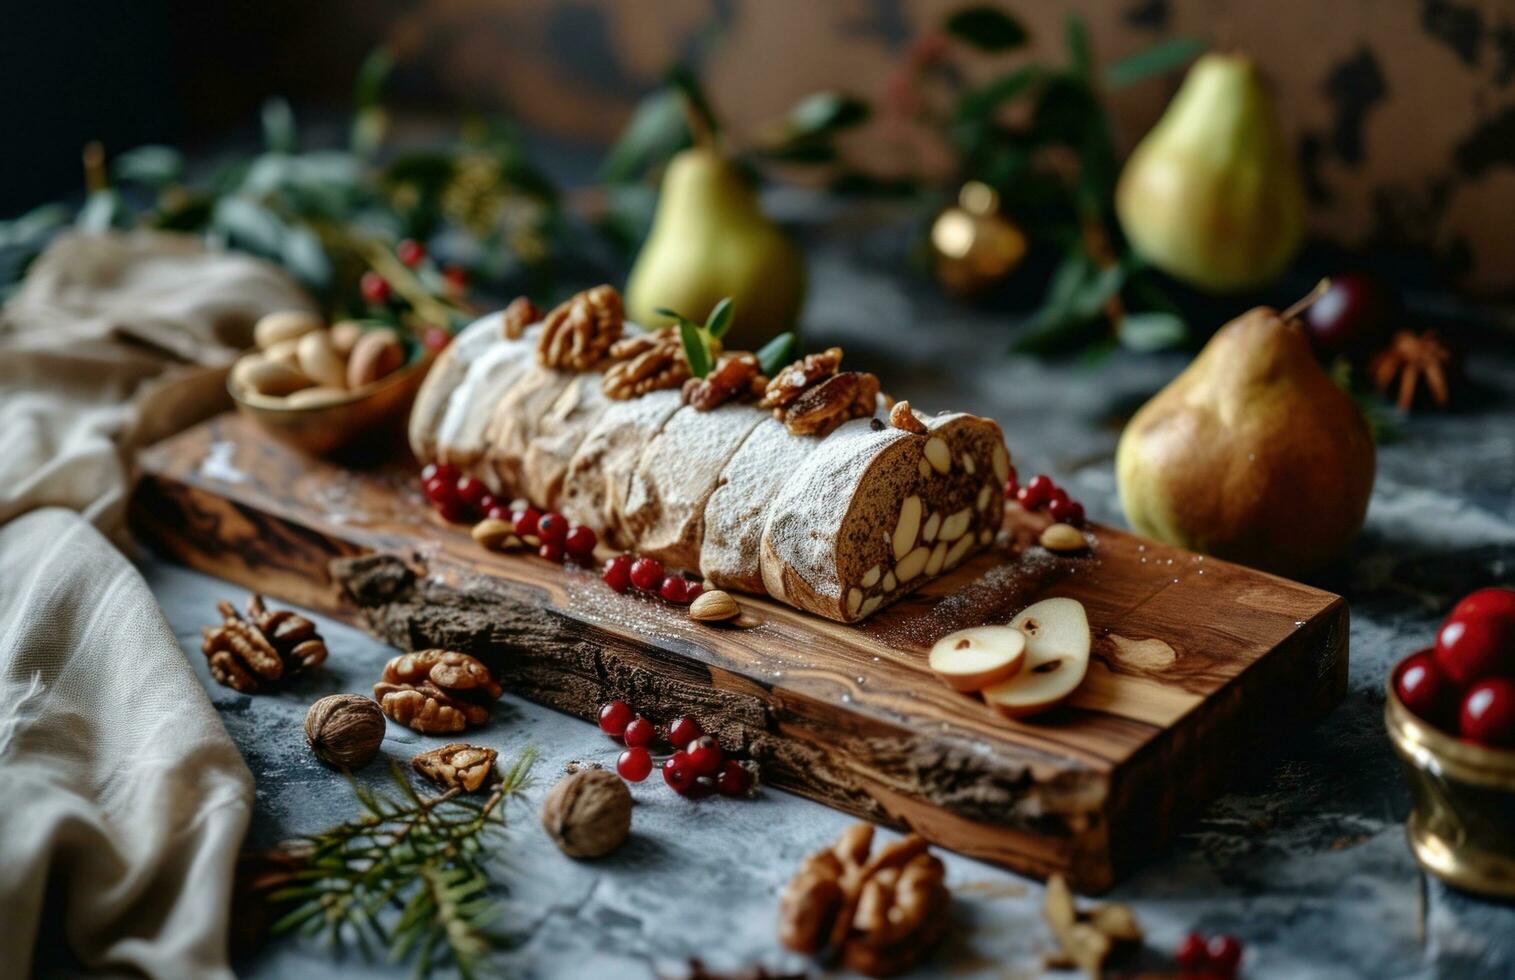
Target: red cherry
580,541
1191,953
617,573
375,289
647,574
614,717
640,732
734,779
552,551
553,527
1224,954
1353,314
410,251
675,590
684,730
1498,603
705,755
525,521
1475,647
471,492
635,764
1488,712
1424,687
677,772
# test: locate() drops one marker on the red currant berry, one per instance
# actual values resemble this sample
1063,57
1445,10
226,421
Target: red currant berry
375,289
635,764
692,591
1488,712
457,277
1012,489
1192,953
441,491
703,786
446,471
471,492
1224,953
1076,514
1499,603
1038,492
498,512
640,732
1476,647
684,730
552,527
428,471
617,573
580,541
1061,508
1424,687
734,779
410,251
552,551
614,717
525,521
677,773
675,590
705,755
455,513
436,340
647,574
487,503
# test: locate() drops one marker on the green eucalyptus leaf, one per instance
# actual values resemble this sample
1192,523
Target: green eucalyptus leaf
1152,331
719,320
656,132
824,113
249,225
279,133
1158,59
986,28
156,166
696,346
778,353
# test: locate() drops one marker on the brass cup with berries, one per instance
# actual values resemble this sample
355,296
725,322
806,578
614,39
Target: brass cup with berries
1450,714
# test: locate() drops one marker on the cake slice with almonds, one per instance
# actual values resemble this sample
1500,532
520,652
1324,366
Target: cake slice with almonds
595,484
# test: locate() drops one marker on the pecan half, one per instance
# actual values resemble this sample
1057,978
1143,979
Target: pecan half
647,362
840,398
901,417
579,331
456,766
737,376
520,314
792,382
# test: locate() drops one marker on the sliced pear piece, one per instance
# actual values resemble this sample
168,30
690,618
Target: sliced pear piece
973,659
1057,657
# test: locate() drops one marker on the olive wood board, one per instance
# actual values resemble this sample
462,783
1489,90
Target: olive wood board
1196,663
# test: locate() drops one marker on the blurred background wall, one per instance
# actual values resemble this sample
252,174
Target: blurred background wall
1402,111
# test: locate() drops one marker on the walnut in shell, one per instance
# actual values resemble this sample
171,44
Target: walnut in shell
437,691
250,653
345,730
588,813
456,766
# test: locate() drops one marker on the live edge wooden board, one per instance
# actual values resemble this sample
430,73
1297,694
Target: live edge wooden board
1196,662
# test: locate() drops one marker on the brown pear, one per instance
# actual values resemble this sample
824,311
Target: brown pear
1252,454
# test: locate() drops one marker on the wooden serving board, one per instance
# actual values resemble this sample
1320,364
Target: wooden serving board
1196,661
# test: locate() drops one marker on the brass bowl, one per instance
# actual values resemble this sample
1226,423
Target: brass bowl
1462,825
372,415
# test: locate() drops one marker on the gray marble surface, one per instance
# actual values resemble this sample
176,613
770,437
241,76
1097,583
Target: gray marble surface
1305,859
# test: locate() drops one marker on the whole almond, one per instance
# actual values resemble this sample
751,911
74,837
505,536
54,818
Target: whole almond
714,606
344,335
284,325
377,353
492,533
1063,537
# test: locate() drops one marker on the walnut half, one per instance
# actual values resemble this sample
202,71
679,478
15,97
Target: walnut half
437,691
579,331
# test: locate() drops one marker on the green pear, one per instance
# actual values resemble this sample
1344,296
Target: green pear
710,240
1252,454
1211,195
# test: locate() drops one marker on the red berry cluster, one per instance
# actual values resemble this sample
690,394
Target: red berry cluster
1041,492
462,499
627,571
1466,682
698,769
1218,956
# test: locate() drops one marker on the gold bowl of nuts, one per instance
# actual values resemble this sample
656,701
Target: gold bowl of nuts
321,389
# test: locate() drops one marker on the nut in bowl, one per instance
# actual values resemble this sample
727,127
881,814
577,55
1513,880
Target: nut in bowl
322,390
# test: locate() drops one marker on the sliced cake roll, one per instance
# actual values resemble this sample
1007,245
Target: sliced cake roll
664,511
599,474
731,554
515,423
876,510
559,434
462,438
446,373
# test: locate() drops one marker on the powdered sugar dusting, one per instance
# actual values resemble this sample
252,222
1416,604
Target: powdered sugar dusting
602,465
490,375
563,428
730,556
449,370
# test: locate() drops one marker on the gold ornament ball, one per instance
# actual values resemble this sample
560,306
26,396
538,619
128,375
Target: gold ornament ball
975,245
345,730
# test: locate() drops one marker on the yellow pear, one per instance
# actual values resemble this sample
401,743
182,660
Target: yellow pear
710,240
1211,195
1252,454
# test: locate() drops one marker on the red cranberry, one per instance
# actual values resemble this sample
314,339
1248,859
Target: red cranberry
647,574
441,491
525,521
703,786
684,730
453,512
457,277
580,541
705,755
410,251
471,492
1423,687
692,591
635,764
675,590
1192,953
617,573
552,527
435,339
639,732
1061,508
498,512
614,717
678,773
1475,647
1498,603
734,779
1224,954
1076,514
552,551
1036,493
487,503
1488,712
1355,313
375,289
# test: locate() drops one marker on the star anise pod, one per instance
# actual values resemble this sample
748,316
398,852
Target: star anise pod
1409,360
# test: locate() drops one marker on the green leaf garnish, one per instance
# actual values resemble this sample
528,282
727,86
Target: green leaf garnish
719,320
700,341
696,348
777,353
986,28
1159,59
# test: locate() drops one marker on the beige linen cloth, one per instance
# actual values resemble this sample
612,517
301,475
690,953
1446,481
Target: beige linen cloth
122,799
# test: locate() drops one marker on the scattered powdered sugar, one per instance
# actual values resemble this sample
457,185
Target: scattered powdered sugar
602,465
490,377
562,429
731,553
449,369
220,464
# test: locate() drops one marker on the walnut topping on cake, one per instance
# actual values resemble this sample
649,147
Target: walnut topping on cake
735,378
646,362
578,332
804,373
812,398
520,314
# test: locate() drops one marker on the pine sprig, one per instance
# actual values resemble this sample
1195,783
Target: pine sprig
407,875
